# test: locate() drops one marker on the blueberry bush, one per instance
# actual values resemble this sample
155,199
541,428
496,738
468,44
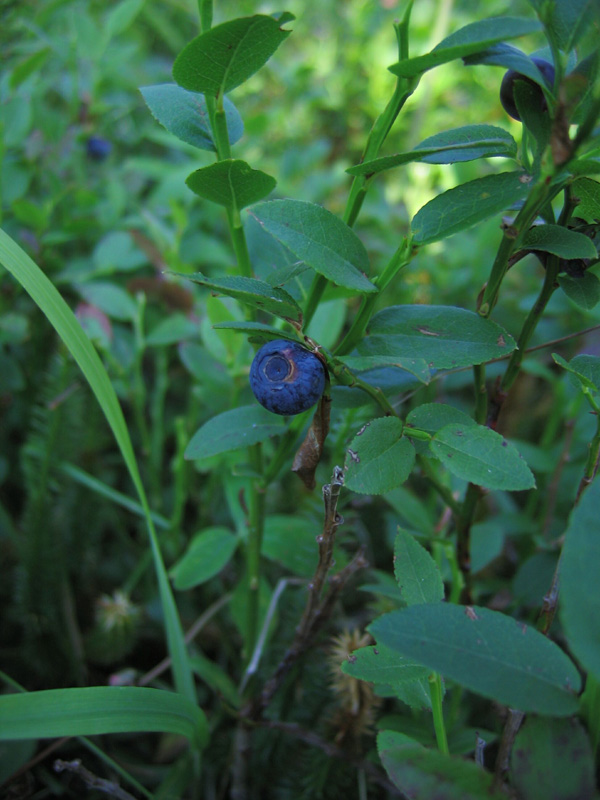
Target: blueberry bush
340,536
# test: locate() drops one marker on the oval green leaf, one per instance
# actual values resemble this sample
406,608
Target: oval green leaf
416,572
472,38
552,758
465,205
207,554
379,458
423,773
231,183
99,710
253,292
319,238
379,664
559,241
485,651
184,114
460,144
580,567
232,430
482,456
225,56
584,291
446,337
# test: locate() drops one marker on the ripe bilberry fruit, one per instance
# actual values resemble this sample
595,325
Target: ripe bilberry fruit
507,88
97,148
286,378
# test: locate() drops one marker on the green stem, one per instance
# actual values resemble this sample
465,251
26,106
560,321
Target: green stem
205,9
530,324
240,245
436,694
513,235
347,378
591,464
428,470
379,131
255,534
463,533
315,293
398,261
480,393
139,385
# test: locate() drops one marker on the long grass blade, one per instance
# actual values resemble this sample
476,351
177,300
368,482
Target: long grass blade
50,302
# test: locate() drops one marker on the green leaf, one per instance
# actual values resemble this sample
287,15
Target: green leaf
379,458
585,368
485,651
568,20
120,17
227,55
216,677
472,38
510,57
319,238
460,144
99,710
185,115
111,299
465,205
413,511
256,330
172,330
580,567
481,456
45,295
559,241
588,192
232,430
446,337
231,183
417,573
207,554
422,773
431,417
584,291
379,664
552,758
28,66
253,292
416,366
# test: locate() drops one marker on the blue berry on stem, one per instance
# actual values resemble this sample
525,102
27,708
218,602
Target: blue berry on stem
286,378
507,87
97,148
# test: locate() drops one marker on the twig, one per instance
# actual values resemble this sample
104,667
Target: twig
92,781
511,728
318,608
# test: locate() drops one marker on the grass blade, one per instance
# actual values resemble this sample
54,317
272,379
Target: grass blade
50,302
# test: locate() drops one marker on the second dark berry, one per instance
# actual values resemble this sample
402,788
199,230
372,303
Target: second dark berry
507,88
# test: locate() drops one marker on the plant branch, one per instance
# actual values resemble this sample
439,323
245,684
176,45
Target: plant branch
319,605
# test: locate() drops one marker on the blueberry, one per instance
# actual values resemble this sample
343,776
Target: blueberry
507,88
97,148
286,378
